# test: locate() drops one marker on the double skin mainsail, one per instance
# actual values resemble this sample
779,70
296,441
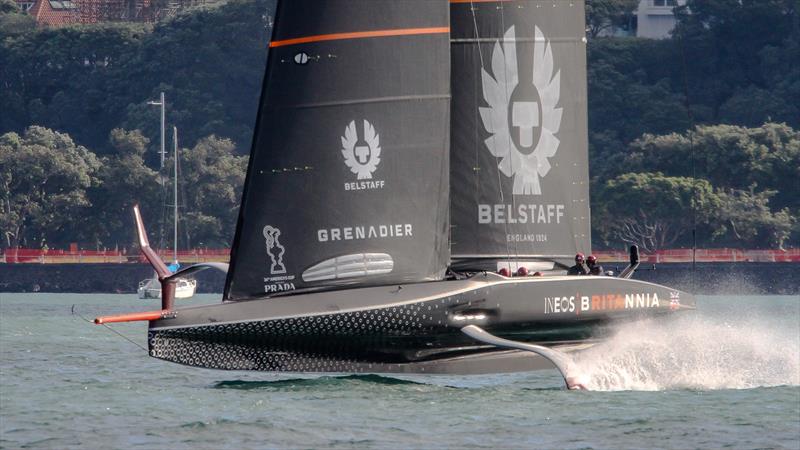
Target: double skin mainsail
348,175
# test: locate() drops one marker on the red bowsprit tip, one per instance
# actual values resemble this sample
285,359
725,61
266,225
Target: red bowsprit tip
135,317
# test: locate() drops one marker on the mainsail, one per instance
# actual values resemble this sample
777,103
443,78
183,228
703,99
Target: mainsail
348,175
519,178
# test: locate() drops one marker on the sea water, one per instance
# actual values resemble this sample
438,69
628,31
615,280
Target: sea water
725,376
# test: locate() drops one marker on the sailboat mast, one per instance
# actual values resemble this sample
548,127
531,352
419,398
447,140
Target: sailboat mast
163,104
175,197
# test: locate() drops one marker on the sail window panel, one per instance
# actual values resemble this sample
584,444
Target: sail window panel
350,266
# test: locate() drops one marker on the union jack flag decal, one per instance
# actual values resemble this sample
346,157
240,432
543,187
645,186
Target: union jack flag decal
674,300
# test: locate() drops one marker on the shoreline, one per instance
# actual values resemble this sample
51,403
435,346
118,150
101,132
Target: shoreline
707,278
675,255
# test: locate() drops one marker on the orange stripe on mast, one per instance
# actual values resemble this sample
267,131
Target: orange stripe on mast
360,35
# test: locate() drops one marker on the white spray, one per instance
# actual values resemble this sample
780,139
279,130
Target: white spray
693,353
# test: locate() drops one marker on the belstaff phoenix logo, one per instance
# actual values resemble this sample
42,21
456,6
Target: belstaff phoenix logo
529,140
361,159
274,249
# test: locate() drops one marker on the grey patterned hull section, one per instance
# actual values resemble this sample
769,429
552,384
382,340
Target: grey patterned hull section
369,339
239,357
229,356
384,330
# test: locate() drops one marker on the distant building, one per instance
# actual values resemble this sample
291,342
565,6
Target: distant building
54,13
51,13
654,18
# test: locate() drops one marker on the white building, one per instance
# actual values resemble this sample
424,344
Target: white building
654,18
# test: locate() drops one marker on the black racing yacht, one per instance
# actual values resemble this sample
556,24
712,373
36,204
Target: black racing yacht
417,187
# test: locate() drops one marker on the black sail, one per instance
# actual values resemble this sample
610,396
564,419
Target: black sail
519,160
348,176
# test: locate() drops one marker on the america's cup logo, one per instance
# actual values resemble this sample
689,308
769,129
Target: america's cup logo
522,117
274,249
362,157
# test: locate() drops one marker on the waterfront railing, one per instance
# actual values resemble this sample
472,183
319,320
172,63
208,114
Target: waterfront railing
76,256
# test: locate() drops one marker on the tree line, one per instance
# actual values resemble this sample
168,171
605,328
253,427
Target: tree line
57,192
695,132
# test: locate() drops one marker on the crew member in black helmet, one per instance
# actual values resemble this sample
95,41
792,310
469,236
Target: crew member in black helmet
578,268
594,268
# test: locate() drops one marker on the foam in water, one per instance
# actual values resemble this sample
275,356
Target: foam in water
693,353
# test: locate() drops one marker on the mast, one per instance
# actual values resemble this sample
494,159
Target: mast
175,198
163,104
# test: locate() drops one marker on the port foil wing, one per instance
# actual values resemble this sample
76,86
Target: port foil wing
560,360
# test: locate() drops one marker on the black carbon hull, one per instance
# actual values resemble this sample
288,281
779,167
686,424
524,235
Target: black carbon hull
408,329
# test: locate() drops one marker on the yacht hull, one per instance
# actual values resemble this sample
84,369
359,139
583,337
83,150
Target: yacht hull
151,288
413,328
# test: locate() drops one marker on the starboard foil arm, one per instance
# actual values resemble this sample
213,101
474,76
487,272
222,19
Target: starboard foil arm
144,246
560,360
168,284
164,274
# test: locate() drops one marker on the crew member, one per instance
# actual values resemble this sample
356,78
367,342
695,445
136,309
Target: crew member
594,268
578,268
